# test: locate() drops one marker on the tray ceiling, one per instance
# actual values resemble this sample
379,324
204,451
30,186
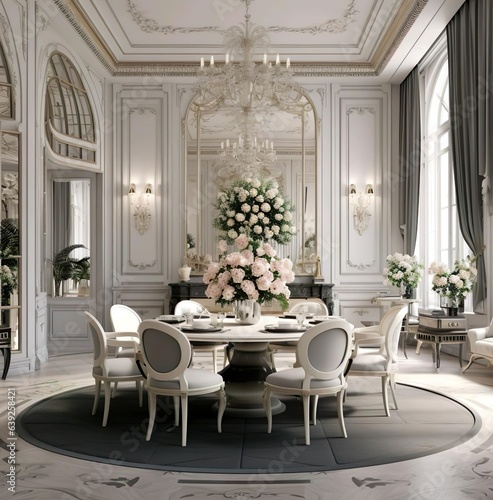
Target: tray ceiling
339,38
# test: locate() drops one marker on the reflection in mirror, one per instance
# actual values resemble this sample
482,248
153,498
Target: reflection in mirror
71,237
214,136
10,236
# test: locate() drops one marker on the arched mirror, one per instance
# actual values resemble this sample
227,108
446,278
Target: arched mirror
288,134
10,231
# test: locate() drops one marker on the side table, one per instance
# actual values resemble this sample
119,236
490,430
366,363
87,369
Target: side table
5,344
438,339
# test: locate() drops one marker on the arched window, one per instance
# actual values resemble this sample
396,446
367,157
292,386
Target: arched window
439,236
69,118
6,97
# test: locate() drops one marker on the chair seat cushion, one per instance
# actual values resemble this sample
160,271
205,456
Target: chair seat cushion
369,361
484,347
126,353
119,367
293,378
197,379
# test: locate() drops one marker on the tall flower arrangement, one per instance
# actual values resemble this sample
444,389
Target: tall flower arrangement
403,270
455,284
256,208
253,272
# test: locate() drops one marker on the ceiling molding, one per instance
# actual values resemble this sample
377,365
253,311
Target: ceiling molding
401,24
394,36
86,31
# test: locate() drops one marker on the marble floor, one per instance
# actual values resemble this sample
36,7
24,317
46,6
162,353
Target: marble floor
464,472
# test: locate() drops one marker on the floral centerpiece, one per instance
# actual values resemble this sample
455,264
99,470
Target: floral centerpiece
403,271
253,272
256,208
455,284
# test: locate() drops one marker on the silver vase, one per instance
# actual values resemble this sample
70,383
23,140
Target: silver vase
247,312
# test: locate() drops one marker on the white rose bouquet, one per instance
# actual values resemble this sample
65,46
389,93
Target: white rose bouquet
251,273
455,284
256,208
403,271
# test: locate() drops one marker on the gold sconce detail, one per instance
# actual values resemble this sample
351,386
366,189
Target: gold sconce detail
141,207
361,202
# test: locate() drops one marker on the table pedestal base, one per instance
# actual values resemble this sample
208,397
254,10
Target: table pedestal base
244,377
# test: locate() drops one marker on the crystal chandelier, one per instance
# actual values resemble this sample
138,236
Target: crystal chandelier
251,85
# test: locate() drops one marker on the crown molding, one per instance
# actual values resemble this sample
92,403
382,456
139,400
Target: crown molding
401,24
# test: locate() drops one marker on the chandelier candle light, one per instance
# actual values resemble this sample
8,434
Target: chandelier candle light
251,88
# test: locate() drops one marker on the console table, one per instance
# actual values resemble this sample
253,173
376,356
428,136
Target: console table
194,290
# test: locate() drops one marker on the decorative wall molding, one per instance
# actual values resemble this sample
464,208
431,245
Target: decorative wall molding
321,93
360,266
361,312
142,265
142,110
179,95
360,110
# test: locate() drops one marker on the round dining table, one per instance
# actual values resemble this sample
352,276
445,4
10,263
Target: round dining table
249,361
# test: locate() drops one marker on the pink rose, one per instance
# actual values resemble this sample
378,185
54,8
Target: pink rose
222,246
237,274
213,291
228,293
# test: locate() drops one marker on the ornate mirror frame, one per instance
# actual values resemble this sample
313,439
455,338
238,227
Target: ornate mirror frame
295,133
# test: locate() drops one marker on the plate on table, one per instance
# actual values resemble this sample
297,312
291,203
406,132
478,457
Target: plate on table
171,318
200,328
284,328
293,316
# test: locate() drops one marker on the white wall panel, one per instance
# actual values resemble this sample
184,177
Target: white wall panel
141,158
361,129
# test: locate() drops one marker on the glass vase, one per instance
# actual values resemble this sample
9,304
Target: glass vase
449,305
407,291
247,312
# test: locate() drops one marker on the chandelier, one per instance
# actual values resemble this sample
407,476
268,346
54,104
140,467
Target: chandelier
252,86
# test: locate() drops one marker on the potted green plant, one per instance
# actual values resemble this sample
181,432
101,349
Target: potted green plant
9,250
64,266
82,274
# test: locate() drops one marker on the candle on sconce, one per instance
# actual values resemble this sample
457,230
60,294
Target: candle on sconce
288,63
202,62
227,57
227,143
278,60
212,60
265,59
222,144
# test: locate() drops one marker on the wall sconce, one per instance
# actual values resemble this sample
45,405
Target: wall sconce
141,208
361,202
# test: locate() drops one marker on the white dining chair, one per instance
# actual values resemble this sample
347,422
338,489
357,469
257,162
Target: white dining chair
323,352
382,363
311,307
124,319
109,369
166,352
190,306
